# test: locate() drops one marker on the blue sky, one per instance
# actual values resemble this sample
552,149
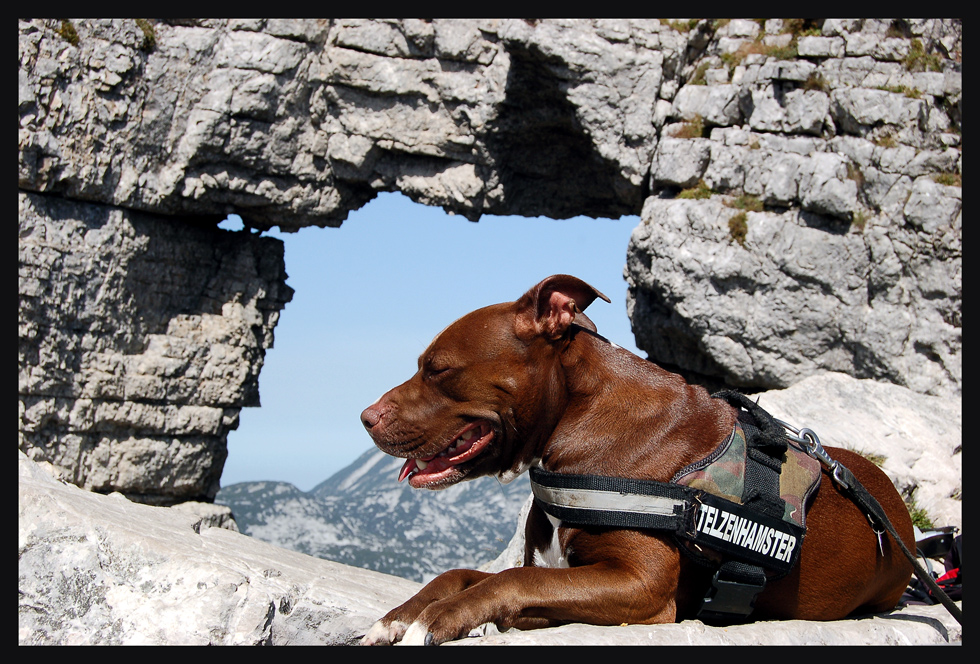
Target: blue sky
369,297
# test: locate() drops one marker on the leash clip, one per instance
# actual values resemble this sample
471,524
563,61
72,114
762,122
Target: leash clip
837,474
809,443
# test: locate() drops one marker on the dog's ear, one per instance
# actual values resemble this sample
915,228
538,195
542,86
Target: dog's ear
551,307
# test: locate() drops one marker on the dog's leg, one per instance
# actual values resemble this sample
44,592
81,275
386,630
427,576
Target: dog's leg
607,593
600,594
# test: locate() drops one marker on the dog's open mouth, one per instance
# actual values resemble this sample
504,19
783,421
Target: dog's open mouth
436,469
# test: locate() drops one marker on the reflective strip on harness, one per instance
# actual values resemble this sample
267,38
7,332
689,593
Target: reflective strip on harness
592,500
608,500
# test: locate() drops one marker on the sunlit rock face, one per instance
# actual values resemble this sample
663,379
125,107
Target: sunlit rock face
141,338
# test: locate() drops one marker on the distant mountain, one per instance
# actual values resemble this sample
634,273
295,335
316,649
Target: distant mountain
363,517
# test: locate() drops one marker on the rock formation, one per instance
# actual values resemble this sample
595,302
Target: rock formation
141,338
821,228
798,183
829,237
103,570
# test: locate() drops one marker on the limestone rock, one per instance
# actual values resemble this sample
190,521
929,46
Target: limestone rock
140,340
715,104
294,123
917,439
102,570
208,515
913,625
680,162
820,47
768,312
853,140
838,142
858,110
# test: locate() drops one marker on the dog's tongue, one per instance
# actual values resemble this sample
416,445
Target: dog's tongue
406,469
452,455
435,463
432,465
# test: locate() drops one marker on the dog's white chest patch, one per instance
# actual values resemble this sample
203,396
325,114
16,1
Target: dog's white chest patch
508,476
553,555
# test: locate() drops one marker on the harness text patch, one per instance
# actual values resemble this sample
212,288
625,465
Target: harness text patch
728,527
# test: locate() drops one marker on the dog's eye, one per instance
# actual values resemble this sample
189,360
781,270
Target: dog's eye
436,368
433,372
436,365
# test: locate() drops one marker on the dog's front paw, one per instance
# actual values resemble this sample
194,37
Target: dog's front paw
443,622
417,635
384,634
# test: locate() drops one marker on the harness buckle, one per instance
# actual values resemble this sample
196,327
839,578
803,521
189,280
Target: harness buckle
729,600
691,511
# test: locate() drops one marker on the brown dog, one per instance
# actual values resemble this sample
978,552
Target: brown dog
530,383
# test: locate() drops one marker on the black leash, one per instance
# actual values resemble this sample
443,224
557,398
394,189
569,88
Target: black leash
853,489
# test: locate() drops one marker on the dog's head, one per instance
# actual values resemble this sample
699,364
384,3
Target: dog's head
488,390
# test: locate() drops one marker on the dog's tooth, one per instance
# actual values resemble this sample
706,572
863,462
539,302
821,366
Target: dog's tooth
421,464
467,435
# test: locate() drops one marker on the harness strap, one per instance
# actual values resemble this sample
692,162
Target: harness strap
736,531
738,582
767,444
746,538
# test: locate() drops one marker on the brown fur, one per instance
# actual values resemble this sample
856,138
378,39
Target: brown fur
552,390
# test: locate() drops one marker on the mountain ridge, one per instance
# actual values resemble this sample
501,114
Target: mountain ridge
362,516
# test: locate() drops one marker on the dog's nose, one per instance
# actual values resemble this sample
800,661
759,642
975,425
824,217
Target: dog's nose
370,416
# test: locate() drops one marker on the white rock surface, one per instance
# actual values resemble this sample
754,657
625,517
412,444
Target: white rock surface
96,569
919,625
